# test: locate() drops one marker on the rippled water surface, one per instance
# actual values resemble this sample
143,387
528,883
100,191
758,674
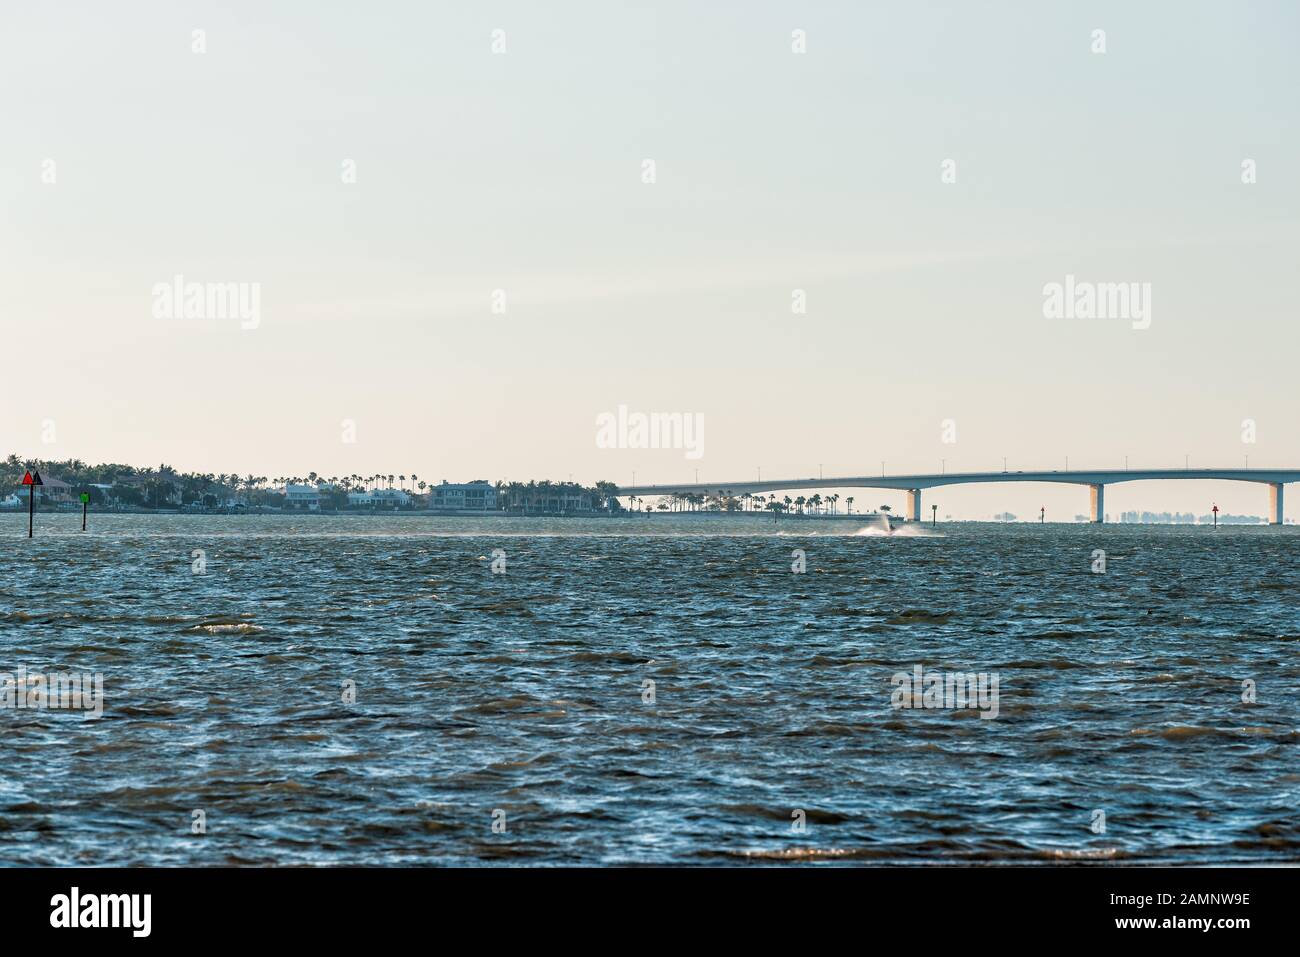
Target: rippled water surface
526,692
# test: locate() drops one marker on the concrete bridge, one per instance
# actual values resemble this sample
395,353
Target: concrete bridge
1095,479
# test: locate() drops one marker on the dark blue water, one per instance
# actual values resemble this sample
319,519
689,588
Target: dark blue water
524,694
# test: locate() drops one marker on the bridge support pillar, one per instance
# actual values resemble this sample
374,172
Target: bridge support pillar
913,504
1097,494
1275,503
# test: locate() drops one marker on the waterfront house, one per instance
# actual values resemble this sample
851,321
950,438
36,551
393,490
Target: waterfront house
550,498
52,492
302,496
154,488
477,496
379,498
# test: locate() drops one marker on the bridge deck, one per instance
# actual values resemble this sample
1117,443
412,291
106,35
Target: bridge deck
937,479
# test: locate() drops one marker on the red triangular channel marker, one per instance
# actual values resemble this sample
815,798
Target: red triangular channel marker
36,478
27,478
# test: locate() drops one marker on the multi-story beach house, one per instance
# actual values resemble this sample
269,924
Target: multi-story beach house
302,496
477,496
379,498
53,491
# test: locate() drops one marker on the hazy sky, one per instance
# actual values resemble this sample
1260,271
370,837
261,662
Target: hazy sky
523,171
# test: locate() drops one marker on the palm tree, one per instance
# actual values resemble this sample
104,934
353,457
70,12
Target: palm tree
849,502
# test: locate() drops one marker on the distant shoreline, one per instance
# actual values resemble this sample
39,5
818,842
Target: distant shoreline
453,513
625,515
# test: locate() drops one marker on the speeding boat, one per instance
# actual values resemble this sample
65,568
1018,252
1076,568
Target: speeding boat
888,523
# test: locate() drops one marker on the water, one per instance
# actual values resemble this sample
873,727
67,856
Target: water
523,692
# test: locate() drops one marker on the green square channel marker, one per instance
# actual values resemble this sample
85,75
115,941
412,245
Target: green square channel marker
85,496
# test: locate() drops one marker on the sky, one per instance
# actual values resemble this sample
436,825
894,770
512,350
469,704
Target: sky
462,261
